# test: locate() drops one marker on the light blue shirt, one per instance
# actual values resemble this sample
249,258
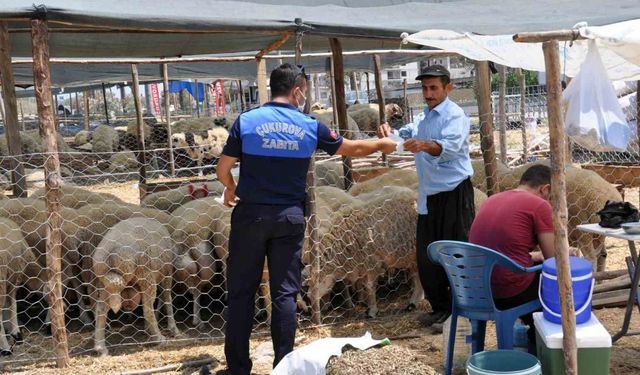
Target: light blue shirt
447,125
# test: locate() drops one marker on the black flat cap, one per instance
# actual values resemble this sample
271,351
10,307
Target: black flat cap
433,71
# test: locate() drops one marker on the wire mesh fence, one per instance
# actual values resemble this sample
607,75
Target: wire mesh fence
146,265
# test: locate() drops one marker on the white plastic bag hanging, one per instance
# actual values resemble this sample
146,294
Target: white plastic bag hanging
594,119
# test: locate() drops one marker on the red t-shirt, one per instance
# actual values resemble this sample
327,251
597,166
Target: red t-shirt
509,223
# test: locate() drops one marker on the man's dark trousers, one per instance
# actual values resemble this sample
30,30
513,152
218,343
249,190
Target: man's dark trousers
449,217
277,232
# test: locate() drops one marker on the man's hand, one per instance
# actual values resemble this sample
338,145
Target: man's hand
387,145
229,197
537,257
384,130
574,251
430,147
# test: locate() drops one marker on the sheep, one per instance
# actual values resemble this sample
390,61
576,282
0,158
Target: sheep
479,178
195,225
105,139
396,177
132,128
82,137
193,125
76,197
15,256
344,256
32,217
201,229
329,173
325,116
392,231
203,145
478,198
32,143
169,200
367,116
132,260
123,162
587,193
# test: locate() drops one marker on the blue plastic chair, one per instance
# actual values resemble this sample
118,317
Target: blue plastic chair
469,268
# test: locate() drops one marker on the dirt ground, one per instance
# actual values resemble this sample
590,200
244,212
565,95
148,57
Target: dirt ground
403,330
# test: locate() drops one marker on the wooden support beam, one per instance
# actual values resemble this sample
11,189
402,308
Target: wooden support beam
340,107
544,36
485,114
382,113
85,97
42,85
356,86
142,182
273,46
606,275
261,80
197,97
18,182
559,204
523,114
22,117
243,99
123,103
502,112
167,105
106,105
405,101
332,84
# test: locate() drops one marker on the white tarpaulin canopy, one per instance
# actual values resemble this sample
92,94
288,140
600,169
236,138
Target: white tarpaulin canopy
619,47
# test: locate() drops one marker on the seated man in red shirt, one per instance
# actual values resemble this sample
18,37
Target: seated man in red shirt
513,223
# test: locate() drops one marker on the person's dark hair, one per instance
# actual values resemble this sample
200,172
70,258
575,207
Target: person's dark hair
536,175
444,79
284,78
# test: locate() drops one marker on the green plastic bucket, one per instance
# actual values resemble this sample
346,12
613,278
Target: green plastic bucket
502,362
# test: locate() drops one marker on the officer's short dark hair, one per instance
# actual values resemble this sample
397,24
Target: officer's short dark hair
284,78
536,175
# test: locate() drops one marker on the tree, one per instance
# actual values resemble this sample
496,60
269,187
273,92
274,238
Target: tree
530,79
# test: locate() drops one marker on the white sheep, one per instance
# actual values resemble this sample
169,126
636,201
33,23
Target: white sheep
76,197
367,116
203,145
394,177
325,116
169,200
132,260
105,139
15,256
201,232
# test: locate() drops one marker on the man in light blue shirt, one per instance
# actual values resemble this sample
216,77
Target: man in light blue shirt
439,139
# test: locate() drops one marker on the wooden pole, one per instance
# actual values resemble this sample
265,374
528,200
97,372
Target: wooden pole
316,85
559,204
77,103
502,112
243,99
85,97
333,95
165,82
341,106
356,86
18,182
261,80
485,115
523,114
382,113
42,85
142,184
405,101
543,36
638,113
207,101
368,87
21,117
197,97
104,100
122,97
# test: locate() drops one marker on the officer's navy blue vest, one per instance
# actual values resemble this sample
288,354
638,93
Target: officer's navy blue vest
277,144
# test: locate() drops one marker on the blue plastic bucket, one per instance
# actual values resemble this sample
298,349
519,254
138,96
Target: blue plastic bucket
582,285
511,362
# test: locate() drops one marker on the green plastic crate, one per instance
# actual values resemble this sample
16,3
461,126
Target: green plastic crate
594,347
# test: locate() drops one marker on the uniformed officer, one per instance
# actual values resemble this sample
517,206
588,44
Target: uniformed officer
274,144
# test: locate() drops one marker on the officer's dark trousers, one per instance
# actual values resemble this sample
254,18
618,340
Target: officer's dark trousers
276,232
449,217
